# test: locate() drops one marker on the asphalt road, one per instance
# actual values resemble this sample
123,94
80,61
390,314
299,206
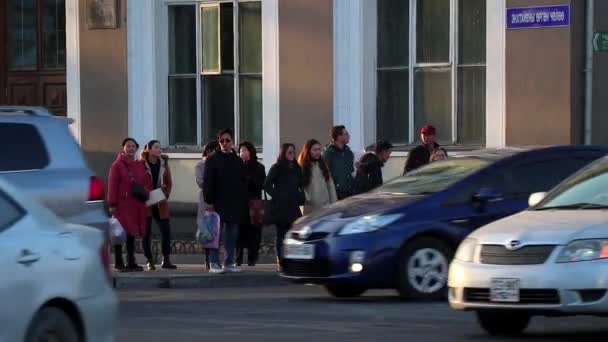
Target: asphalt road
303,313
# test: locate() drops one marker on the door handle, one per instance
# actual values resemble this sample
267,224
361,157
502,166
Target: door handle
27,257
461,221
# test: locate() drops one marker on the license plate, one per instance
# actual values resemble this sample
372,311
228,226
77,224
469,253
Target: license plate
504,290
305,252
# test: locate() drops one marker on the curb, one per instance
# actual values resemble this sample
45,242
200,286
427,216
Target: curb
259,279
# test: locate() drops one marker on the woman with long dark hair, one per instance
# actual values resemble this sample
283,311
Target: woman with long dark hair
157,165
125,204
318,185
250,234
284,185
209,150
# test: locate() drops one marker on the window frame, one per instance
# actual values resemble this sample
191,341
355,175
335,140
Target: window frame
453,64
235,72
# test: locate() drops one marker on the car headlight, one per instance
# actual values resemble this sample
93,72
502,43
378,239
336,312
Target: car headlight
584,250
367,224
466,250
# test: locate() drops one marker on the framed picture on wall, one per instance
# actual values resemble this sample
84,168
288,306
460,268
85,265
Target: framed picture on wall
102,14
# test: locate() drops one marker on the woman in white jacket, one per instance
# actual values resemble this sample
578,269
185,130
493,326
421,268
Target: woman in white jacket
318,184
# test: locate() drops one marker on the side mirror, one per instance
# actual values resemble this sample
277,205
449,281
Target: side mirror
536,197
487,195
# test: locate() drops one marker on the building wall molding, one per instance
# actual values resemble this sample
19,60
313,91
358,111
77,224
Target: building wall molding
72,41
270,80
141,63
355,75
496,130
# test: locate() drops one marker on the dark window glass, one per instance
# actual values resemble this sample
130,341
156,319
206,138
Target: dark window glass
227,36
250,37
540,176
22,148
393,33
182,110
53,35
11,212
182,39
472,105
472,31
22,37
433,101
218,104
251,109
393,106
433,31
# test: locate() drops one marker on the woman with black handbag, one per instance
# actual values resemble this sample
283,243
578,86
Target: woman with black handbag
284,185
250,234
128,190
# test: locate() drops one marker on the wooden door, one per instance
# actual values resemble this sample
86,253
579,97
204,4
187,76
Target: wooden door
33,65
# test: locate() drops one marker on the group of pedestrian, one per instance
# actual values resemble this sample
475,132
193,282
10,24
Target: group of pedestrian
234,184
130,182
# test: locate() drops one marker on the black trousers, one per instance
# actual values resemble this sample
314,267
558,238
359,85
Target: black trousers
118,260
282,230
250,238
165,232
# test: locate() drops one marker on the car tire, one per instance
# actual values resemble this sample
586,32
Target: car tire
54,324
503,323
344,291
423,269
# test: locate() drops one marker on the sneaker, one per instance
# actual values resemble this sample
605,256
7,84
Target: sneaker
150,266
134,268
216,269
232,269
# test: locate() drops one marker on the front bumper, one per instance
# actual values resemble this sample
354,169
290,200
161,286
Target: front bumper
569,289
332,262
100,316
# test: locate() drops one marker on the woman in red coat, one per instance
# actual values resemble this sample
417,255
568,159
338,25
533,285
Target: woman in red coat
130,212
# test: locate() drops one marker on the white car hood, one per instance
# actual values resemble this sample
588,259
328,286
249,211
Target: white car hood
552,227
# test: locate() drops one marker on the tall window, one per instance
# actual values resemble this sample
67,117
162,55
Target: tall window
215,71
431,69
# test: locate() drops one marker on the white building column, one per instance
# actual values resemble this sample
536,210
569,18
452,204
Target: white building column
72,42
270,81
496,128
141,63
355,69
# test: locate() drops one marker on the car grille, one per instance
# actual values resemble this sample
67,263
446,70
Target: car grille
297,268
313,237
527,255
526,296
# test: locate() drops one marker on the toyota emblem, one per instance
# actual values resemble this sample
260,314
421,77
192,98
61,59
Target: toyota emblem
513,245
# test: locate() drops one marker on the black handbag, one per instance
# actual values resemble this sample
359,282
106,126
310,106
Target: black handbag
137,190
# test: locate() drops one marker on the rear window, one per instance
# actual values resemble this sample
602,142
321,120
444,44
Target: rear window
21,148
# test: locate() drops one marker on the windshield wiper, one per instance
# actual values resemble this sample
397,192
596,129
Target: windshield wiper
575,206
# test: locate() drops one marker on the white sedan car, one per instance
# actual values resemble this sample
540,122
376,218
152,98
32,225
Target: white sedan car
550,260
55,283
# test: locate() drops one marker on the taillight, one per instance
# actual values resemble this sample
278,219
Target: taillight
96,190
104,253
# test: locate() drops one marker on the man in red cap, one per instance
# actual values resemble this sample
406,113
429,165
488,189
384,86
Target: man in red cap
421,155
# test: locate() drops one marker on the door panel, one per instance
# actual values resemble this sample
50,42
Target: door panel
33,66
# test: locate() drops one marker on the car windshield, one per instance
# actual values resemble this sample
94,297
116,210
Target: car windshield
585,190
434,177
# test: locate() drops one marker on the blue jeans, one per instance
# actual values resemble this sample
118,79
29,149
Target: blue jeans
229,234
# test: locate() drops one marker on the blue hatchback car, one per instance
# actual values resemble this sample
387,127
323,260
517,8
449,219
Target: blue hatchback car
403,235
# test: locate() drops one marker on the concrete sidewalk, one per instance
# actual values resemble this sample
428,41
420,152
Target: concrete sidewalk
195,276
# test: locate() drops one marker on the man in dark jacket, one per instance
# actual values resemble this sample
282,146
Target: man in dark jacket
225,189
340,160
369,167
421,155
